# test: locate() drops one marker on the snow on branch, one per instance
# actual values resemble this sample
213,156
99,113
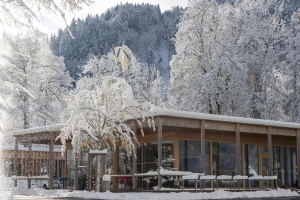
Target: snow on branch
12,10
98,118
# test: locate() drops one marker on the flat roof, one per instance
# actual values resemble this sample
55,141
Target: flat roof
181,114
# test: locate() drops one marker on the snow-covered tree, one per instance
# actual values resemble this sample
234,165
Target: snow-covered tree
146,82
23,14
102,104
226,59
261,45
291,66
33,66
207,75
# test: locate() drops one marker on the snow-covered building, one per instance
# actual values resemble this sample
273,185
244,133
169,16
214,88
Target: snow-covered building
196,142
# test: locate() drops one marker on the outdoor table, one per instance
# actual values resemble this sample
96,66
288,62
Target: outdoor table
122,178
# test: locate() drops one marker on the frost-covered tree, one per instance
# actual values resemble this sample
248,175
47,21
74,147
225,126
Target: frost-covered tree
22,14
261,45
207,75
103,101
291,70
146,82
226,59
33,66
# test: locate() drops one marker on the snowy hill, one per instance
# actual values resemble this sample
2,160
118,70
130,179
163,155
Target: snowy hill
143,28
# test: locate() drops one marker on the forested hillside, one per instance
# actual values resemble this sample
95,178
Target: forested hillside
143,28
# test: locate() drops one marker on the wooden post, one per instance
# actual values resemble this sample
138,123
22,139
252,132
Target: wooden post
89,171
270,151
298,157
134,163
176,153
115,168
159,156
202,168
16,162
243,161
238,151
270,154
76,155
29,164
103,164
50,161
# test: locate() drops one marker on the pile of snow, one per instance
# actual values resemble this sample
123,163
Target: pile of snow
9,191
220,194
106,177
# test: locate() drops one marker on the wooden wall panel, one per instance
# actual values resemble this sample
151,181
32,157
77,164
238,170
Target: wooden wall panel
221,126
248,128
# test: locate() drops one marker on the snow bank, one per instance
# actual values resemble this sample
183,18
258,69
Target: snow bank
9,191
221,194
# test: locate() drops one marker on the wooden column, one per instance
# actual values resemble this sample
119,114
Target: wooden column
76,155
243,161
29,164
134,163
238,151
298,157
270,152
115,168
159,144
202,167
16,162
176,153
50,161
89,171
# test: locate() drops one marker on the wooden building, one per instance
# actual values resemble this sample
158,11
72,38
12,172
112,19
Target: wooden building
210,144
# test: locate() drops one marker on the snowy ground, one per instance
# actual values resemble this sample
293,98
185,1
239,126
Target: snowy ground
9,191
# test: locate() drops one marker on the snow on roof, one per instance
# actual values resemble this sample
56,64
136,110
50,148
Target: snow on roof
222,118
42,129
157,111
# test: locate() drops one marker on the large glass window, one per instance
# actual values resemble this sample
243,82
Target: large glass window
190,158
151,155
251,160
124,162
224,158
285,166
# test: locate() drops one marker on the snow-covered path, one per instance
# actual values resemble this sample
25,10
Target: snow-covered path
8,192
221,194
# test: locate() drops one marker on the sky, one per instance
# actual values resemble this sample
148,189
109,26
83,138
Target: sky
50,23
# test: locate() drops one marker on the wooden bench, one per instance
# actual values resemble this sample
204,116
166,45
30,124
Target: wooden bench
193,176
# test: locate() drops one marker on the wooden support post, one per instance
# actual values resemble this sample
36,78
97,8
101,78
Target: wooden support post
16,162
29,163
270,154
50,161
159,156
103,163
238,151
89,171
202,167
76,157
134,163
176,153
298,157
243,161
115,168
